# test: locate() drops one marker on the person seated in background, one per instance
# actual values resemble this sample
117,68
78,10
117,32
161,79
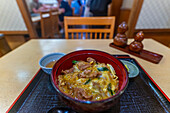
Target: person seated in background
65,10
77,5
36,7
99,7
87,12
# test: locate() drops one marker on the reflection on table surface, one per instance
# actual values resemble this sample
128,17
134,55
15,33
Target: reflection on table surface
19,66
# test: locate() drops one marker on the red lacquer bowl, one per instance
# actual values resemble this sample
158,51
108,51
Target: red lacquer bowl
102,57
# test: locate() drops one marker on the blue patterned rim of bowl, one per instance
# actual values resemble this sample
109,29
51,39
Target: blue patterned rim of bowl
47,59
133,69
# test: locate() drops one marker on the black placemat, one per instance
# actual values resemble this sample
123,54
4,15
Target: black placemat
141,96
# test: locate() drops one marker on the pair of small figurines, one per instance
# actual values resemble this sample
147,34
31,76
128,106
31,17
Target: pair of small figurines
121,39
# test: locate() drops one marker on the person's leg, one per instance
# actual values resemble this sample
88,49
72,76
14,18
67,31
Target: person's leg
61,23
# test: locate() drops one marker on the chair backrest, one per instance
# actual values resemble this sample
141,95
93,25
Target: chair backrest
97,31
46,29
54,21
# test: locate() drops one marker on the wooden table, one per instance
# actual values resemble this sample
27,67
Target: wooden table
19,66
38,18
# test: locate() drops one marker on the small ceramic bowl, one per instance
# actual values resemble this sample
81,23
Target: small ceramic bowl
47,59
133,69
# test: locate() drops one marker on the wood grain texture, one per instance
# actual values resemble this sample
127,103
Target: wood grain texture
54,21
133,17
24,63
144,54
14,32
71,21
27,18
115,11
4,47
46,24
15,41
124,15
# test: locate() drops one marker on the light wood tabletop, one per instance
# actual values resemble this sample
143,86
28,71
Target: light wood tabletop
19,66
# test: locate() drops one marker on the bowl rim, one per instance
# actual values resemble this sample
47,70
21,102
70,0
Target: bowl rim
119,93
44,57
131,64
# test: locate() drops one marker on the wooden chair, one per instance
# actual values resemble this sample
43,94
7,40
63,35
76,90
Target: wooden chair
54,19
93,32
4,47
46,23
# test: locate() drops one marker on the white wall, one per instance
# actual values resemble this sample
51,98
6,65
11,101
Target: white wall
10,16
155,14
127,4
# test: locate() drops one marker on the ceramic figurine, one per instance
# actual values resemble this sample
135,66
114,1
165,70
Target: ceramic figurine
136,45
121,39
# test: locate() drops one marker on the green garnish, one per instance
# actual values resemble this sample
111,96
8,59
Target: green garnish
109,88
102,69
74,61
87,81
